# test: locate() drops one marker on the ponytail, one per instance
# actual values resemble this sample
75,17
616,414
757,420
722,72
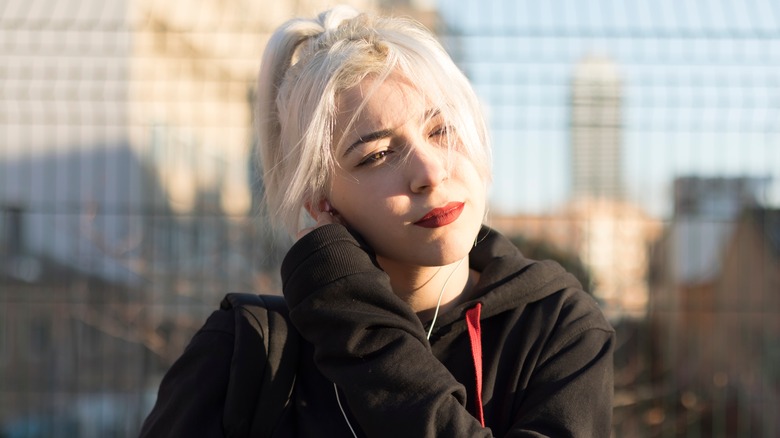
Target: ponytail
277,59
280,55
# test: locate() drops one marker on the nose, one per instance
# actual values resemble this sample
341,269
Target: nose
427,167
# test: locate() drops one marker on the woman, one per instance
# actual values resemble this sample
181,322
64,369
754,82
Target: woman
417,320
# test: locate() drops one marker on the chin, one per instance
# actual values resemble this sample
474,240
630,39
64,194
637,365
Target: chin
443,249
448,254
427,255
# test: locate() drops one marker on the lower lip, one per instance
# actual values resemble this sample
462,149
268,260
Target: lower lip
445,217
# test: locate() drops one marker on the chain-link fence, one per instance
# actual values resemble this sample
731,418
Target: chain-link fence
637,143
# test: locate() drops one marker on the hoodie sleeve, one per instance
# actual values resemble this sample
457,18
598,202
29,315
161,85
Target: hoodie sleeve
369,342
571,389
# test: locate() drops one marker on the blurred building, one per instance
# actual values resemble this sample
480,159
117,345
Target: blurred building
615,242
69,359
747,303
714,300
689,257
611,238
596,129
609,235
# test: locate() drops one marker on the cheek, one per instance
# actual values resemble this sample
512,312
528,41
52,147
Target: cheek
370,214
472,179
363,208
352,201
364,195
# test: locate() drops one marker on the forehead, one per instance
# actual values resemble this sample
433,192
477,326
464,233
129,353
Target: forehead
373,102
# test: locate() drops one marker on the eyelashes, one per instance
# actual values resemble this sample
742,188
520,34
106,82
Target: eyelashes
375,158
438,134
443,130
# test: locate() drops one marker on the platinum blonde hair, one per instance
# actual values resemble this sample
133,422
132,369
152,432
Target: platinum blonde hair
308,62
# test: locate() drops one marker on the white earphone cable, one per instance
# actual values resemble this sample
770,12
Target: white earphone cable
338,400
441,294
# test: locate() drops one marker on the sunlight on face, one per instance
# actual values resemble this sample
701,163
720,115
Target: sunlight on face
416,202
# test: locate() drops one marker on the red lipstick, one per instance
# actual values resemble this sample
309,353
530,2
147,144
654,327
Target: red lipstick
439,217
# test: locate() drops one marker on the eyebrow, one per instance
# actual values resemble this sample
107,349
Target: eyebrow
368,138
432,113
384,133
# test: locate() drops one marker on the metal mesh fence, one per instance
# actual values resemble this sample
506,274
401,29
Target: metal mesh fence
637,143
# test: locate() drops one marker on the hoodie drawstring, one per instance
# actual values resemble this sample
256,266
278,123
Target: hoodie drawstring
475,337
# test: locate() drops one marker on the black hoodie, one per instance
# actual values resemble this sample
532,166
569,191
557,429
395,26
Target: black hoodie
546,354
546,349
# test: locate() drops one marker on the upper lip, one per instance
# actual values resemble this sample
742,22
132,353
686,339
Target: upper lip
440,211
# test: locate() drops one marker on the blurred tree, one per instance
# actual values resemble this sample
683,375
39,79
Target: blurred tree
540,249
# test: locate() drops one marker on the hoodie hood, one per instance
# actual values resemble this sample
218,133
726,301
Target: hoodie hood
508,279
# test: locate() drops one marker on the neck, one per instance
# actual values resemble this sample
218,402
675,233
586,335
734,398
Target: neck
421,286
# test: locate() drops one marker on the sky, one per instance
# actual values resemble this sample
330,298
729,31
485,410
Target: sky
700,79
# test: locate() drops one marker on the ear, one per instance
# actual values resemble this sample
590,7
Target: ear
322,205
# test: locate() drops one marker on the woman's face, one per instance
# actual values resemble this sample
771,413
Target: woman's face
396,184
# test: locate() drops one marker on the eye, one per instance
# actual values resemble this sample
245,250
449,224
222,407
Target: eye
440,131
375,158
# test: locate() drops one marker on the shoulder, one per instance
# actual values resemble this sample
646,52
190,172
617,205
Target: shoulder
221,321
551,321
575,307
572,318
